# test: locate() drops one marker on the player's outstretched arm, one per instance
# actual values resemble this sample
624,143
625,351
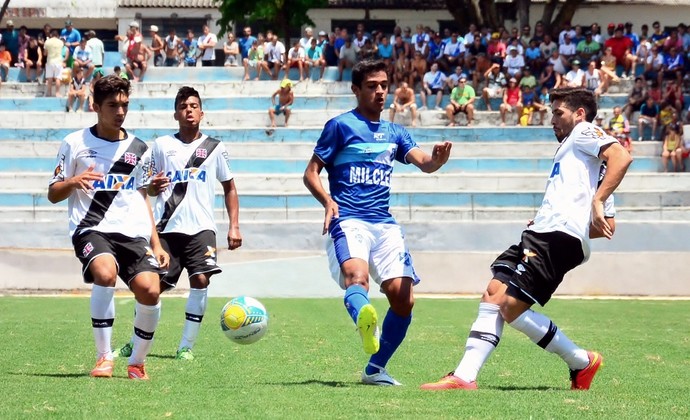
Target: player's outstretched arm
61,190
617,162
312,181
232,205
429,163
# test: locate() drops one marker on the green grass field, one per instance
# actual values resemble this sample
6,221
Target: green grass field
309,363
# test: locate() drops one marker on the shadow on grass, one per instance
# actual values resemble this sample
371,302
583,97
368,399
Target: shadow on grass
161,356
332,384
524,388
52,375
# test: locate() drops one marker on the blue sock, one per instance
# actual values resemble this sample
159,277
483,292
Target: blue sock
392,335
356,296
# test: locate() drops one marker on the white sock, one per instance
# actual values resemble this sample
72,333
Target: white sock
539,328
485,335
102,318
145,323
194,314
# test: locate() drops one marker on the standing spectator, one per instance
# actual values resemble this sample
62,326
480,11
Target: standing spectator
71,36
10,37
295,58
157,46
432,84
97,49
462,99
495,84
621,48
207,44
286,97
174,48
246,41
33,61
53,47
78,89
23,42
512,102
673,148
636,98
97,75
83,58
231,49
649,115
191,48
315,59
403,100
347,58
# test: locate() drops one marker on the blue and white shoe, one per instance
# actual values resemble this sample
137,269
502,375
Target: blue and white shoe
381,378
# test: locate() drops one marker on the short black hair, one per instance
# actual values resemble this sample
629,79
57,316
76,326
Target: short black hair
574,98
108,86
364,68
185,93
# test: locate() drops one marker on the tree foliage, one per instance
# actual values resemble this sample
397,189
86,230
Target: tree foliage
281,15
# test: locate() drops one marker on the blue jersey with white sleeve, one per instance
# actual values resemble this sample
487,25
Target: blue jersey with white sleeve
358,155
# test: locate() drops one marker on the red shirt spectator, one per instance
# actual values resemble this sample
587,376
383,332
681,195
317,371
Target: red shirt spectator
620,46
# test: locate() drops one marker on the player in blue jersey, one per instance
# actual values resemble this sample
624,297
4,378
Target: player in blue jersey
358,150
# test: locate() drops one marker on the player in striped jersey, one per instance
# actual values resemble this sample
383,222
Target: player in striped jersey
183,169
100,172
358,151
572,212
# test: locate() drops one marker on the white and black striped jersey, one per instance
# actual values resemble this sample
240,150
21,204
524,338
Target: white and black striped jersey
567,203
186,206
115,204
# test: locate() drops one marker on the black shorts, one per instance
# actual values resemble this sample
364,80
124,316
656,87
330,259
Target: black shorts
535,267
434,91
195,253
132,255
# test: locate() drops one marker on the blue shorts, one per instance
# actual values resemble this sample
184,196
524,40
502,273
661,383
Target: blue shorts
279,111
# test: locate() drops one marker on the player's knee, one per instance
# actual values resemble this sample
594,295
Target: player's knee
357,278
147,294
199,281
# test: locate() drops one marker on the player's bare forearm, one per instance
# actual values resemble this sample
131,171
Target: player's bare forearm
429,163
617,162
312,181
232,206
595,232
60,191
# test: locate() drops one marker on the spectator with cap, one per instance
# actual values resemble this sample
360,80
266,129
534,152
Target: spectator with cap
610,29
628,32
495,84
567,49
286,97
575,77
10,37
512,102
71,36
621,48
157,47
514,63
462,99
549,78
588,49
496,49
97,49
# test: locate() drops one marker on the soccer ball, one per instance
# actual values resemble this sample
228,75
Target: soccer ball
244,320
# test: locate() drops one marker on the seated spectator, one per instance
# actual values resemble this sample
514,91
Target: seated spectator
255,60
528,79
636,98
595,82
78,89
588,49
329,52
461,100
403,100
432,84
621,48
5,62
547,46
512,102
550,78
649,115
385,53
97,74
232,51
673,148
454,78
567,49
527,112
453,54
285,99
83,59
295,58
673,95
314,59
533,57
495,84
575,77
641,54
673,67
347,57
275,56
619,127
665,116
514,63
402,55
368,51
541,104
654,65
33,61
559,66
496,50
